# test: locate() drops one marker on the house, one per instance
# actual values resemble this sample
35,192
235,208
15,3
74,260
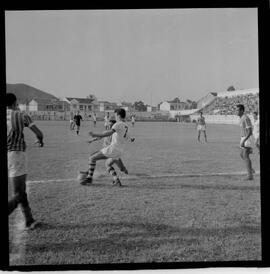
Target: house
40,104
151,109
127,106
106,106
48,104
62,105
206,100
81,104
175,104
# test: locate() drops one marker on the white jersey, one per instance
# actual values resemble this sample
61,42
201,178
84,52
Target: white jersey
120,136
106,119
256,129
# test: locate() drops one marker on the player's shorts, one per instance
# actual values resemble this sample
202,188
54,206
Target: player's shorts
78,127
17,163
247,144
257,139
201,127
111,152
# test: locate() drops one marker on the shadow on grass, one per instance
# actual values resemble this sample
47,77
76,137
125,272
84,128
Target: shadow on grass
132,236
102,185
180,185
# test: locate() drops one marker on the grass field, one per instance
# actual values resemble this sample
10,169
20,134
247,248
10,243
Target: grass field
161,214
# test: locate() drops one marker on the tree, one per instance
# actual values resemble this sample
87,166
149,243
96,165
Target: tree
139,106
91,97
194,105
231,88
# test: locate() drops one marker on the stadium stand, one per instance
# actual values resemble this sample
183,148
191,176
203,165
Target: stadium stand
227,105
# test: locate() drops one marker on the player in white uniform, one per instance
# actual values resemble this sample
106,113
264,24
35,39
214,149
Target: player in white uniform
107,121
107,141
133,120
113,151
245,143
201,126
256,130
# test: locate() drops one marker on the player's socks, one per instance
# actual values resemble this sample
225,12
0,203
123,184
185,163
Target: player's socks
112,171
92,166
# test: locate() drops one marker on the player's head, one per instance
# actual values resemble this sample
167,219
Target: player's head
120,114
11,100
240,109
255,115
111,122
78,112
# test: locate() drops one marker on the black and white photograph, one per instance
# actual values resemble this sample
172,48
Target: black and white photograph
133,137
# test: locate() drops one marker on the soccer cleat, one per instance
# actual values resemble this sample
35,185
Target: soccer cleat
124,170
248,178
117,182
30,225
86,181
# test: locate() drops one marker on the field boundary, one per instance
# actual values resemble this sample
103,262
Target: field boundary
146,176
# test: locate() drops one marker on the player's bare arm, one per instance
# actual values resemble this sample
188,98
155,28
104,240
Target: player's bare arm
104,134
38,134
94,139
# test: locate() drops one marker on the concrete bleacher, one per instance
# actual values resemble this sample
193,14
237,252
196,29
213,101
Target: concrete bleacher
226,105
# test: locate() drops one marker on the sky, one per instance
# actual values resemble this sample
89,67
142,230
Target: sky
130,55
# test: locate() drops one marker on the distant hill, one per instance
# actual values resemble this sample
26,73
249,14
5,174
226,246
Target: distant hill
25,93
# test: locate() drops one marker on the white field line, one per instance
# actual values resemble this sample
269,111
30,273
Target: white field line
145,176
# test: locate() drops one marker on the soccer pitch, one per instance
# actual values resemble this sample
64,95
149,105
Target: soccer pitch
183,201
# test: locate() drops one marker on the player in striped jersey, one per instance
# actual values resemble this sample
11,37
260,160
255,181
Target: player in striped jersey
256,130
245,142
16,146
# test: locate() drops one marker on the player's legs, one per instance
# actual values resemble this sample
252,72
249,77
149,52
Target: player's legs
257,144
246,153
20,197
121,165
199,135
242,153
92,163
205,137
109,166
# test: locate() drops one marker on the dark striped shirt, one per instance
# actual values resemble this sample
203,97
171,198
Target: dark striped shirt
16,121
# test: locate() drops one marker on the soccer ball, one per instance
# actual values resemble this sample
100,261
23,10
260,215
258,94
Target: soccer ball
82,175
